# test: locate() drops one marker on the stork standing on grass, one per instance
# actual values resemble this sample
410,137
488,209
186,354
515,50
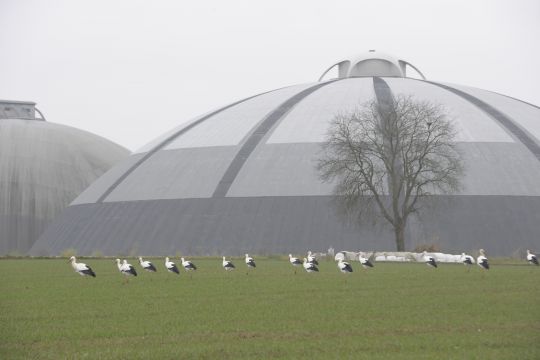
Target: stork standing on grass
295,262
147,265
531,258
228,265
81,268
250,263
171,267
364,261
311,258
344,267
126,269
429,260
482,260
310,267
467,260
188,266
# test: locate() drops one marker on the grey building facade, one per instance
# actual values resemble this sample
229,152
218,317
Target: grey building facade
242,178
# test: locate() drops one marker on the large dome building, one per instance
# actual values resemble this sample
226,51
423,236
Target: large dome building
242,178
43,167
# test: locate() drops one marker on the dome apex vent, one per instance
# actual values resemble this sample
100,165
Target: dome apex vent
372,63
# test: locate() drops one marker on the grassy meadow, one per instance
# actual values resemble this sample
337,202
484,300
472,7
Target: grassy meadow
406,311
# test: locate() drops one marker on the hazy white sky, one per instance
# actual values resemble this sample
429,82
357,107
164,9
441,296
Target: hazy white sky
130,70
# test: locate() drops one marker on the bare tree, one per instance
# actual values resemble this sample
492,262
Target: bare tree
384,159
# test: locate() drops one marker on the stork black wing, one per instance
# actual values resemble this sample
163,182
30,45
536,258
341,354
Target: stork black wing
132,271
89,272
368,263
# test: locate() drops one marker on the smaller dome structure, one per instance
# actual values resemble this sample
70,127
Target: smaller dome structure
372,63
43,167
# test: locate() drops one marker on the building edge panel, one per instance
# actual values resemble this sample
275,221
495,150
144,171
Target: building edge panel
280,225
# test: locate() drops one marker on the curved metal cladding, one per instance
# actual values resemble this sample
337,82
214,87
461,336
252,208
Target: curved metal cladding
242,179
43,167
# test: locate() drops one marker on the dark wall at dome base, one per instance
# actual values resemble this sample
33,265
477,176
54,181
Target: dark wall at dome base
19,232
281,225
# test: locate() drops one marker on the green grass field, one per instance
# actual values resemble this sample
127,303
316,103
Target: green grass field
47,311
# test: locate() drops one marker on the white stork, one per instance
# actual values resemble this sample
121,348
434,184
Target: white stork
188,265
344,267
126,269
171,267
81,268
531,258
250,263
482,260
311,258
295,262
365,262
147,265
309,266
228,265
429,260
467,259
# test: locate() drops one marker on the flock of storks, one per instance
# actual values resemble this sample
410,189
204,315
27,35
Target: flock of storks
309,263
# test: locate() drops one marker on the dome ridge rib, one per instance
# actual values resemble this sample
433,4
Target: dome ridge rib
505,121
256,137
385,97
165,142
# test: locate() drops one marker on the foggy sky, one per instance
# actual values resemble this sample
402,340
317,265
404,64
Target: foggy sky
130,70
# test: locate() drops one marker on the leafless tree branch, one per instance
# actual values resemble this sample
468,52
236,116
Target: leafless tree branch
385,160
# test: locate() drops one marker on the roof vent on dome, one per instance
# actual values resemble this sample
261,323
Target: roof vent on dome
24,110
372,63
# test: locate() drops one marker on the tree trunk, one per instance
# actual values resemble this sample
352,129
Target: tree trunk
399,230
